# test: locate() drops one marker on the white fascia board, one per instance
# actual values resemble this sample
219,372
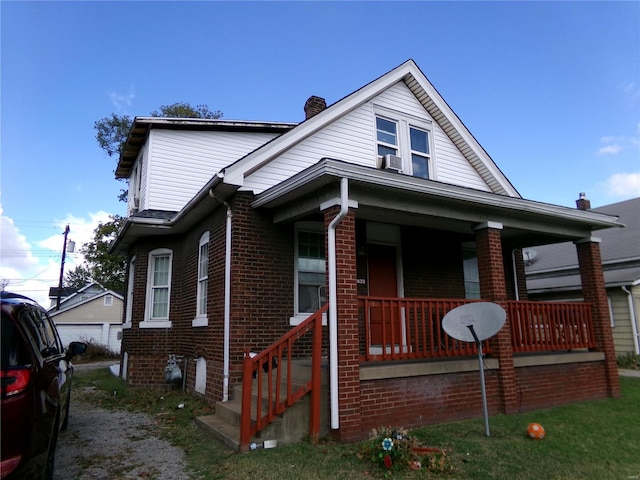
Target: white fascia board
462,130
235,173
339,169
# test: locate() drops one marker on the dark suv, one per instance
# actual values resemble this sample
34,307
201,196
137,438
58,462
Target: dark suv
36,388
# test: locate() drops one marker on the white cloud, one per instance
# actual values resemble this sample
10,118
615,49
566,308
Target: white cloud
33,274
122,101
623,184
609,150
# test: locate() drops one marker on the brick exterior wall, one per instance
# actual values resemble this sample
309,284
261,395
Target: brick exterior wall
348,328
432,264
427,400
594,292
493,289
262,302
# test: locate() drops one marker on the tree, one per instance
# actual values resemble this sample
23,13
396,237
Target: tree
100,265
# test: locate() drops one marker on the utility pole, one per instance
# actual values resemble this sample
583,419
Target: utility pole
64,254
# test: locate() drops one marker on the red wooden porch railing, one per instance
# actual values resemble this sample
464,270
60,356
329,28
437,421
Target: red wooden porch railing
409,328
266,408
550,326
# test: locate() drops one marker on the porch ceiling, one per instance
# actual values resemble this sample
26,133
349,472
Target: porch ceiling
389,197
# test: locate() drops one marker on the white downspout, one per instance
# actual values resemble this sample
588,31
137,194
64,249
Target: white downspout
333,299
227,299
634,320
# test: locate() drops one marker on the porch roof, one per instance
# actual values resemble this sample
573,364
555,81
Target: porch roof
390,197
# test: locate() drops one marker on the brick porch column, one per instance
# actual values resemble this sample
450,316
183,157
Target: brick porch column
594,292
348,329
493,289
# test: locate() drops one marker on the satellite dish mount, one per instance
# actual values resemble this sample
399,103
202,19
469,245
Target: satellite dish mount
475,322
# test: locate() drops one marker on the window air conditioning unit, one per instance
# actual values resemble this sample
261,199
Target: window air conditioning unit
392,162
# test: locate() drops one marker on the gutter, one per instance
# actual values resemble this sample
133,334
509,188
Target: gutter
634,320
333,299
227,297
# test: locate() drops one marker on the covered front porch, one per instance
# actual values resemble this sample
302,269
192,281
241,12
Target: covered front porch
400,253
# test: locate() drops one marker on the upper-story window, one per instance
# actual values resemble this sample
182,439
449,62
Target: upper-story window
387,134
419,152
158,289
407,138
203,282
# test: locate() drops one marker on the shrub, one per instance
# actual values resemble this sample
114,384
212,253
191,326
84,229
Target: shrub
95,352
629,360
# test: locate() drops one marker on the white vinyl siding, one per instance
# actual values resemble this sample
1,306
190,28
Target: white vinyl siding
182,162
352,138
622,332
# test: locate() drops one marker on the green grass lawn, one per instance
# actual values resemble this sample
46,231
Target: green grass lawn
589,440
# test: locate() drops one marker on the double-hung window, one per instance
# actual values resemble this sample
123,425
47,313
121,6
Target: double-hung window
130,284
387,135
419,152
158,289
203,282
408,138
310,270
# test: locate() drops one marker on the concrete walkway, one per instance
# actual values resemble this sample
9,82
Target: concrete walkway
629,373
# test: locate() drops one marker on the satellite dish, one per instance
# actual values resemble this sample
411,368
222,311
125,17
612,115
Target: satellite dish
528,254
475,322
486,319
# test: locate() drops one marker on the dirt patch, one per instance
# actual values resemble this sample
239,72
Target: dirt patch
116,445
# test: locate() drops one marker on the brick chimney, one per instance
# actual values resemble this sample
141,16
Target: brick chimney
583,203
313,106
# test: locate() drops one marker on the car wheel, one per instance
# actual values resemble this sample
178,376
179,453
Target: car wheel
51,451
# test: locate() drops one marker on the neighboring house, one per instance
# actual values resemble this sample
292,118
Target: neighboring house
347,238
553,274
92,313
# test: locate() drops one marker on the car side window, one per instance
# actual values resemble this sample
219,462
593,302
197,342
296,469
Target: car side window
43,332
14,351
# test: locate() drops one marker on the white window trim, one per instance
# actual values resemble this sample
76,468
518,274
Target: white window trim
404,122
130,282
201,320
315,227
148,321
108,301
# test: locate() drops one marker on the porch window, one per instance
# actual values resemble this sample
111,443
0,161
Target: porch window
310,271
471,275
158,289
203,282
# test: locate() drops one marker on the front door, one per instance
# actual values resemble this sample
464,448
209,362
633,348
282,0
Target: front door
385,324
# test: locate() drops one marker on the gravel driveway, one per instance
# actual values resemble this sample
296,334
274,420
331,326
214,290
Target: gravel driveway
115,445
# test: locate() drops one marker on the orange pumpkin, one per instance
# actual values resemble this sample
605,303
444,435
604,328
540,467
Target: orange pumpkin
535,431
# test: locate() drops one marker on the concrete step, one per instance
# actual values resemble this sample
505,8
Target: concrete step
289,427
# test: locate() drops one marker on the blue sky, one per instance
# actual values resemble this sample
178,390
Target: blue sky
550,89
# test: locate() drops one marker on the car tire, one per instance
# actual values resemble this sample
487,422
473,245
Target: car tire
51,451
